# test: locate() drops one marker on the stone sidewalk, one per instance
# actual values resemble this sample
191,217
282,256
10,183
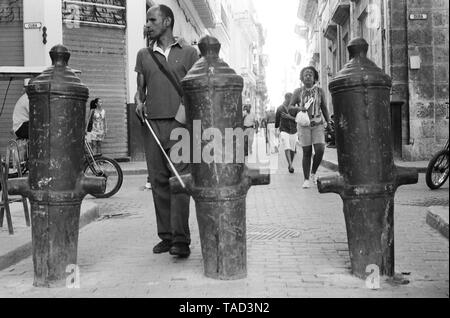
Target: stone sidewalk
297,247
16,247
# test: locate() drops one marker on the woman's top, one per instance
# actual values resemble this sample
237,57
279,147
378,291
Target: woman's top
314,98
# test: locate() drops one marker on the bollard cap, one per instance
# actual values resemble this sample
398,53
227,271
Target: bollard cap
359,71
210,66
60,55
358,47
59,78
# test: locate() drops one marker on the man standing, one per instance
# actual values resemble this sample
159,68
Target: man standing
288,131
159,100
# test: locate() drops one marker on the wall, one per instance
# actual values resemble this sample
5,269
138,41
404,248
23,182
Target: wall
428,83
47,12
136,19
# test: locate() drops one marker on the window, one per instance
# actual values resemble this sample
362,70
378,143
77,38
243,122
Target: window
344,49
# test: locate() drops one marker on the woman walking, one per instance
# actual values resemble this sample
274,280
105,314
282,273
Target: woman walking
96,127
311,99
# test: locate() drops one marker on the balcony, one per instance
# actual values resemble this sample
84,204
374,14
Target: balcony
302,31
205,12
248,24
330,31
307,10
340,11
261,88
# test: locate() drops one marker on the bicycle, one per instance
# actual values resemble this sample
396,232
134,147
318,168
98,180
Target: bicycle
101,166
94,165
438,169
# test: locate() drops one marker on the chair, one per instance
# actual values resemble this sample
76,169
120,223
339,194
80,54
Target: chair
12,148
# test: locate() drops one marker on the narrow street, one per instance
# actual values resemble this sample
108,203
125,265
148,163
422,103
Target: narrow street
297,247
89,81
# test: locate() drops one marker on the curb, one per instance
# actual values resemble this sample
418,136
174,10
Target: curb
334,166
330,165
437,220
136,172
9,259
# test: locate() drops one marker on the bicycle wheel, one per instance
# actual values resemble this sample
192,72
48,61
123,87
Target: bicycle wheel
109,169
438,170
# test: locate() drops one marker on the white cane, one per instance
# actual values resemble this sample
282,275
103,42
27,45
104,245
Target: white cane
165,154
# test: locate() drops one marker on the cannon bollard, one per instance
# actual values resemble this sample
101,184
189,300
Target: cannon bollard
56,184
367,179
213,97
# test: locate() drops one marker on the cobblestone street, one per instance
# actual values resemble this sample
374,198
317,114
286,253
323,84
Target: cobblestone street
297,247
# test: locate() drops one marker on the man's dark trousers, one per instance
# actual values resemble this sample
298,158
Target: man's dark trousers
172,210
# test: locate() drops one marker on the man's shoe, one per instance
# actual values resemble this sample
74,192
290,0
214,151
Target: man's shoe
148,186
162,247
180,249
314,178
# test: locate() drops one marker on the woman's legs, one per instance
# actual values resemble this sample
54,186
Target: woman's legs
319,150
307,154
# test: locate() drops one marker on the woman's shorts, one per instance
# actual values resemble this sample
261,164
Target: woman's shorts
288,141
309,136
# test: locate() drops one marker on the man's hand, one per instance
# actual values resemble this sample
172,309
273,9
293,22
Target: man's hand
141,111
287,116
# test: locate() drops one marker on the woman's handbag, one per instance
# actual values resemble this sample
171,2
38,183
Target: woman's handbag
302,119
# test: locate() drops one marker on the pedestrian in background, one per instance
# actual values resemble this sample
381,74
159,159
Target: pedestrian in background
287,127
311,99
249,129
160,68
21,117
97,127
273,140
330,131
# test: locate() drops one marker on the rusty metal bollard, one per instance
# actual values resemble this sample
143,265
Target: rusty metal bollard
368,178
56,184
213,94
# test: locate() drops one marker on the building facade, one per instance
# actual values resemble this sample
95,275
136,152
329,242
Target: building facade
104,37
409,40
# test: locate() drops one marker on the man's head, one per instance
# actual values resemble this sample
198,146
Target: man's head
287,97
160,21
309,76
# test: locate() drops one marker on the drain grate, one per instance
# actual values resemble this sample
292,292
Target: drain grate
265,233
